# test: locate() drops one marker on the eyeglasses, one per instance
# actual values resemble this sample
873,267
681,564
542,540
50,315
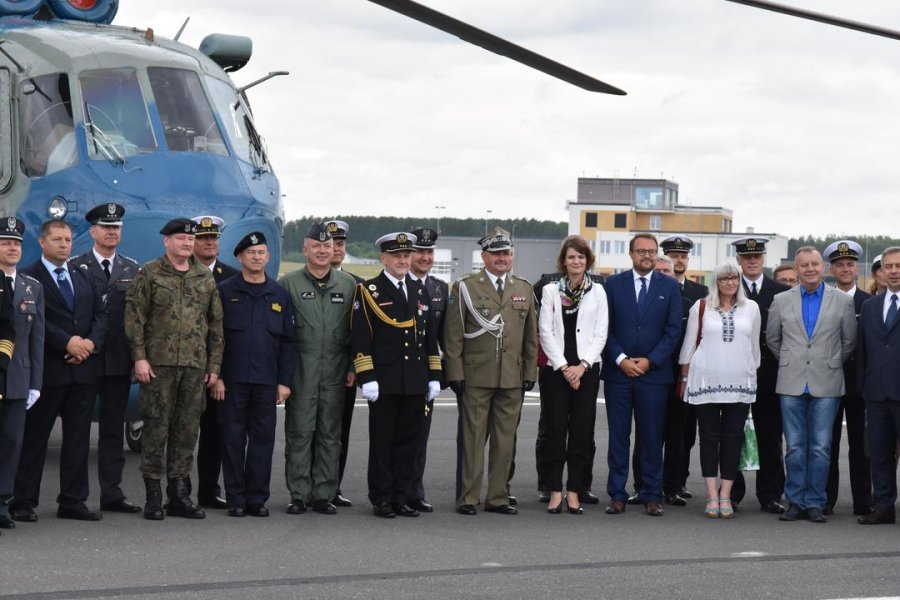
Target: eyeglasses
642,252
728,279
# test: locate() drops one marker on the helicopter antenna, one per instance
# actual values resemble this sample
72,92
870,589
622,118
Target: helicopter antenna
261,80
180,31
821,18
497,45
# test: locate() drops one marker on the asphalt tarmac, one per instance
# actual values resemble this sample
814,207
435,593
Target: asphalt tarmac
445,555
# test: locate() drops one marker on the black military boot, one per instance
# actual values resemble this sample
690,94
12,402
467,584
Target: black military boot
153,508
180,504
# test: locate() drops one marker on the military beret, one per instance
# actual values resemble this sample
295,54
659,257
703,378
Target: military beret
179,225
750,245
318,232
425,238
676,243
843,249
255,238
12,228
338,230
208,225
496,242
106,214
396,242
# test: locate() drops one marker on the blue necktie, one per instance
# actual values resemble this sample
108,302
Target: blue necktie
642,295
891,313
65,287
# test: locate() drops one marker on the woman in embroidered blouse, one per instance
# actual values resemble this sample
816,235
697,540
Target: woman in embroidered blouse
573,324
719,377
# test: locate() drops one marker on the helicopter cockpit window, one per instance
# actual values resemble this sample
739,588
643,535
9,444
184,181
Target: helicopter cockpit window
185,112
238,123
47,140
115,114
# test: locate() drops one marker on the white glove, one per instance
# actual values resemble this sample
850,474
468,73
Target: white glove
434,388
33,396
370,391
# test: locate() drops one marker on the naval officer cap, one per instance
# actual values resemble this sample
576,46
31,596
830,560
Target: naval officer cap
396,242
12,228
109,215
676,243
318,232
750,245
208,225
843,249
255,238
338,230
498,241
179,225
425,238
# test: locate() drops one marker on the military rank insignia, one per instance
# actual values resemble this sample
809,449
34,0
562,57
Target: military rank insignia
276,307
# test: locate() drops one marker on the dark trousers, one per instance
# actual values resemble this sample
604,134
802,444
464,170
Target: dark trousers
459,445
112,395
770,477
209,456
419,488
346,421
721,437
247,430
73,404
647,402
690,439
860,470
570,418
674,453
883,424
12,430
395,423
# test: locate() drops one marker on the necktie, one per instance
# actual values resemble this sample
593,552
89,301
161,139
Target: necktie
402,289
65,287
753,289
642,295
891,313
500,286
105,263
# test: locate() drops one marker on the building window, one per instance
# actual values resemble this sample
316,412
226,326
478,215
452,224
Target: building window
620,247
618,270
604,247
648,198
655,222
730,251
590,219
621,221
697,250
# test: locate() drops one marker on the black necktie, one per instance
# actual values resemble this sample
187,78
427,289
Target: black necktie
65,287
500,286
105,263
402,290
642,295
891,313
753,290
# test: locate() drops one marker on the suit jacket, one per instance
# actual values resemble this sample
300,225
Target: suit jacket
852,381
652,332
26,369
693,291
437,292
591,325
89,320
816,361
879,353
485,361
116,355
767,374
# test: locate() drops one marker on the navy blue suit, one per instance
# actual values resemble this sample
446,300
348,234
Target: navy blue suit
877,359
650,332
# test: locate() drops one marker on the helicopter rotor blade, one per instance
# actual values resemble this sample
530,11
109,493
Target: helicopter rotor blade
821,18
497,45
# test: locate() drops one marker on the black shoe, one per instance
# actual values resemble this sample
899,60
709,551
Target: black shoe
588,497
684,493
503,509
828,510
296,507
324,507
793,513
543,497
862,511
257,510
236,511
78,512
772,506
341,500
214,502
635,498
879,517
180,503
513,501
6,522
675,499
555,510
24,513
421,505
122,505
466,509
384,510
815,515
153,509
574,510
402,509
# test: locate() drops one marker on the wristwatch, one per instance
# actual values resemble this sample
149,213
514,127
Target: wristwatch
586,365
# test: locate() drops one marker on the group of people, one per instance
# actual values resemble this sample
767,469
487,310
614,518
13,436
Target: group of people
216,349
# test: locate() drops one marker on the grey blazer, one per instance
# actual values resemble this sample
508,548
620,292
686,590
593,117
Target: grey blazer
816,361
26,369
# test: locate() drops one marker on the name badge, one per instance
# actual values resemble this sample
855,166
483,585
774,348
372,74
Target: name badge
307,295
337,298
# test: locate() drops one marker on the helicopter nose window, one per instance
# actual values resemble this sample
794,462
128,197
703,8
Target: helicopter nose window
185,112
47,143
115,115
235,116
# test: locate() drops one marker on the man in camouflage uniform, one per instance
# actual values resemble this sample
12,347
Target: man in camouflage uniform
173,322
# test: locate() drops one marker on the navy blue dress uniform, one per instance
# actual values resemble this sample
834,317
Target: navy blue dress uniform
21,316
209,457
852,407
73,307
112,276
436,292
394,345
766,410
259,355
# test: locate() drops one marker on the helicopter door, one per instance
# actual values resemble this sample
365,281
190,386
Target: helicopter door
5,130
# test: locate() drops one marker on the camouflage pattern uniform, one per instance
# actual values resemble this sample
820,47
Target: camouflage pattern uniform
173,319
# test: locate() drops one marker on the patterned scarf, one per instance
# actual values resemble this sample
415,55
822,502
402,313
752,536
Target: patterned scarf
572,298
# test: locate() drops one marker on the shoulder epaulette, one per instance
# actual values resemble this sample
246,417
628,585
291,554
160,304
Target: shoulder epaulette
129,259
520,278
468,276
28,277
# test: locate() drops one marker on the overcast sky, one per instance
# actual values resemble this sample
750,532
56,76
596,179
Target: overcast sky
793,125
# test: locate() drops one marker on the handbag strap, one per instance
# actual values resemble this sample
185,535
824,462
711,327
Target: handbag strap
700,321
